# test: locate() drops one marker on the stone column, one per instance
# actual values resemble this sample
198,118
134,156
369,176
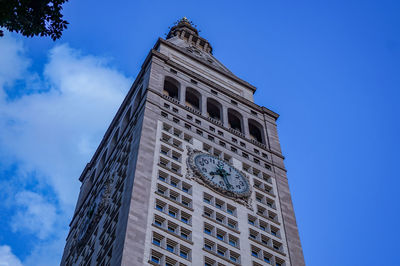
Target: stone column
204,105
245,127
225,116
182,94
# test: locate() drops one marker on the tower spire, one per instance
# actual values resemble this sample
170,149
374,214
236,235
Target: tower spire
186,30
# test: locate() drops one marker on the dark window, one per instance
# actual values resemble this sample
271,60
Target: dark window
235,120
256,131
192,98
171,88
214,109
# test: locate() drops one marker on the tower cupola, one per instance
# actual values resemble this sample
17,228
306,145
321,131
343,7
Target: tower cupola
185,29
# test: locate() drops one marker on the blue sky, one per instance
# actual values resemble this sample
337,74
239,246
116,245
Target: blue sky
331,69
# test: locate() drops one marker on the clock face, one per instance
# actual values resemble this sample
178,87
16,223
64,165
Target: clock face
221,175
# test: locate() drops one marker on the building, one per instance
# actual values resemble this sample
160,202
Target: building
190,171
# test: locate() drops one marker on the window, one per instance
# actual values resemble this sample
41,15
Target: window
156,241
175,110
173,197
214,109
256,131
171,88
232,224
155,259
159,207
185,220
230,210
220,237
170,248
187,138
220,133
254,253
187,126
212,129
158,223
207,231
189,117
232,242
198,121
171,229
172,214
207,246
220,252
235,120
184,235
183,254
193,98
251,221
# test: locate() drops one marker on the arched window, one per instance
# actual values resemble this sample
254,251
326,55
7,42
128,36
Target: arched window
214,109
171,88
193,98
256,131
235,120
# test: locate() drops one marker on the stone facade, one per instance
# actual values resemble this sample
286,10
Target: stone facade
155,211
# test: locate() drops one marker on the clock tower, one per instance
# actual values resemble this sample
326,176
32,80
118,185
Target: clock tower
189,172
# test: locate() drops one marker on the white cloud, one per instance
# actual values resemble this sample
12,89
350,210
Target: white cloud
50,132
55,132
13,64
34,214
7,258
